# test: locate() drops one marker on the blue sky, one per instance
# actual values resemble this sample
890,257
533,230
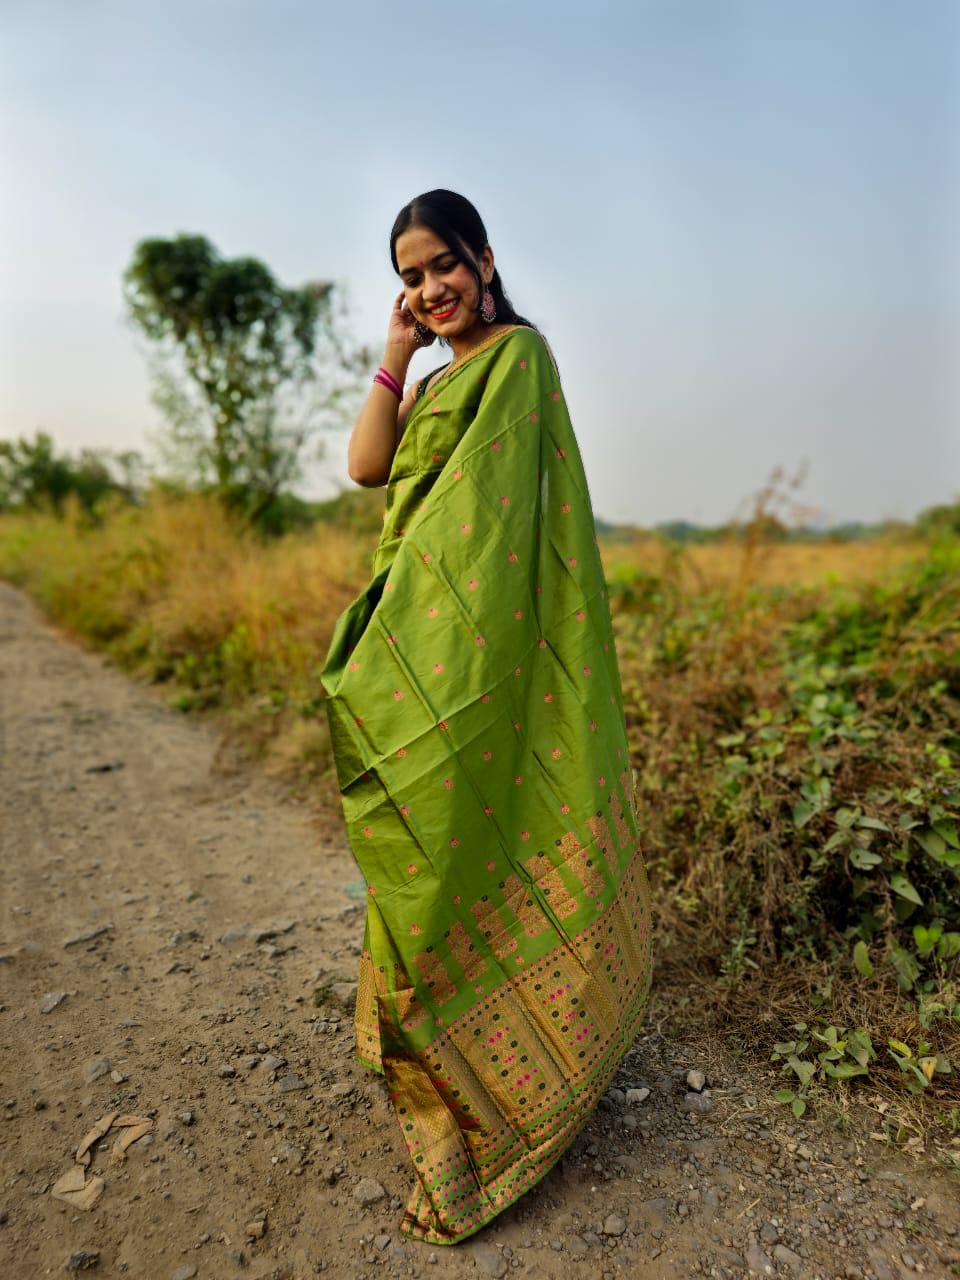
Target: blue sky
735,220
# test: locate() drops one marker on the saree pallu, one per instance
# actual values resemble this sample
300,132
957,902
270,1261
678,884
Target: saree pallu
478,730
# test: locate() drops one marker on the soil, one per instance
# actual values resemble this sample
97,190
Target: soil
193,932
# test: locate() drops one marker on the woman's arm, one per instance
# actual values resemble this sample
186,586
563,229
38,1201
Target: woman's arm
376,433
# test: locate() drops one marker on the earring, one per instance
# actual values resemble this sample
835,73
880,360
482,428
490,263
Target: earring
423,335
488,308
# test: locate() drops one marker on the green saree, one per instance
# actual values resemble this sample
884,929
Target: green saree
477,722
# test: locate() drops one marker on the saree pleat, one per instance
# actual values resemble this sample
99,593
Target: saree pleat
477,721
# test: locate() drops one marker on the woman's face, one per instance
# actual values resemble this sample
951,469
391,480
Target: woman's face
441,291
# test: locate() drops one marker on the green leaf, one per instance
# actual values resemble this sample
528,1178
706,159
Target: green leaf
863,859
802,813
805,1071
947,831
902,886
798,1107
926,939
875,824
948,946
906,968
861,960
844,1070
906,822
846,817
732,740
860,1047
931,842
784,1095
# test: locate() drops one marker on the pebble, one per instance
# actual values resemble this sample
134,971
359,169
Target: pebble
185,1117
274,1063
696,1081
758,1261
184,1273
382,1242
95,1069
788,1257
256,1229
117,1077
636,1096
51,1000
233,935
614,1225
698,1103
83,1260
227,1071
368,1191
291,1081
489,1260
576,1247
342,1090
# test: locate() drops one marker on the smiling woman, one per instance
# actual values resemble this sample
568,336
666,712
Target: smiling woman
477,722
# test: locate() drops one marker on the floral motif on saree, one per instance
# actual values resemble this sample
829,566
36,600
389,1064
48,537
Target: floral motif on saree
478,729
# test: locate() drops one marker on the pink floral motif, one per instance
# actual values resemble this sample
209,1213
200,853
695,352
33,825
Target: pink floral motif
448,783
405,810
512,557
401,752
516,672
588,671
454,842
491,865
516,725
354,666
518,780
504,500
435,409
556,753
465,528
561,454
426,557
443,726
555,395
524,835
487,810
496,446
415,929
456,899
534,417
566,508
488,755
548,697
523,364
518,614
564,809
388,586
485,698
432,611
391,639
438,667
372,890
480,642
358,722
412,868
398,695
580,615
368,832
541,643
473,584
602,780
593,726
572,562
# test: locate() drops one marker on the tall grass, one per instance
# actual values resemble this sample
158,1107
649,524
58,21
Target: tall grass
794,720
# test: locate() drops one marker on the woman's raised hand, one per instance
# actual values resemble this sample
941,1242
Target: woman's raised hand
402,335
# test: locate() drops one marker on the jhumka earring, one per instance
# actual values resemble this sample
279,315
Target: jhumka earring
423,335
488,308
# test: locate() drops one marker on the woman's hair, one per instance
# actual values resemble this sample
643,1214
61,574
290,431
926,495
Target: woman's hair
454,219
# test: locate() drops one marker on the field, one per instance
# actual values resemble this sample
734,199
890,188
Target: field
794,718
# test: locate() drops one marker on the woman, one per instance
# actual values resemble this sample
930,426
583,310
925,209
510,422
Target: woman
478,729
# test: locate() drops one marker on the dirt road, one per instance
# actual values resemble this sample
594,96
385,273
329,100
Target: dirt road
178,943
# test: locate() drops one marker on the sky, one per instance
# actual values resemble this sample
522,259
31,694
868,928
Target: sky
736,221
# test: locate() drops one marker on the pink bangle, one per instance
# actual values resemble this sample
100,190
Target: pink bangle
387,380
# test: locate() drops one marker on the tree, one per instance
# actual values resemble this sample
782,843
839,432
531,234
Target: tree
237,361
34,477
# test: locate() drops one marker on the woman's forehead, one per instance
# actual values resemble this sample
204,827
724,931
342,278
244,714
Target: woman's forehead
417,245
